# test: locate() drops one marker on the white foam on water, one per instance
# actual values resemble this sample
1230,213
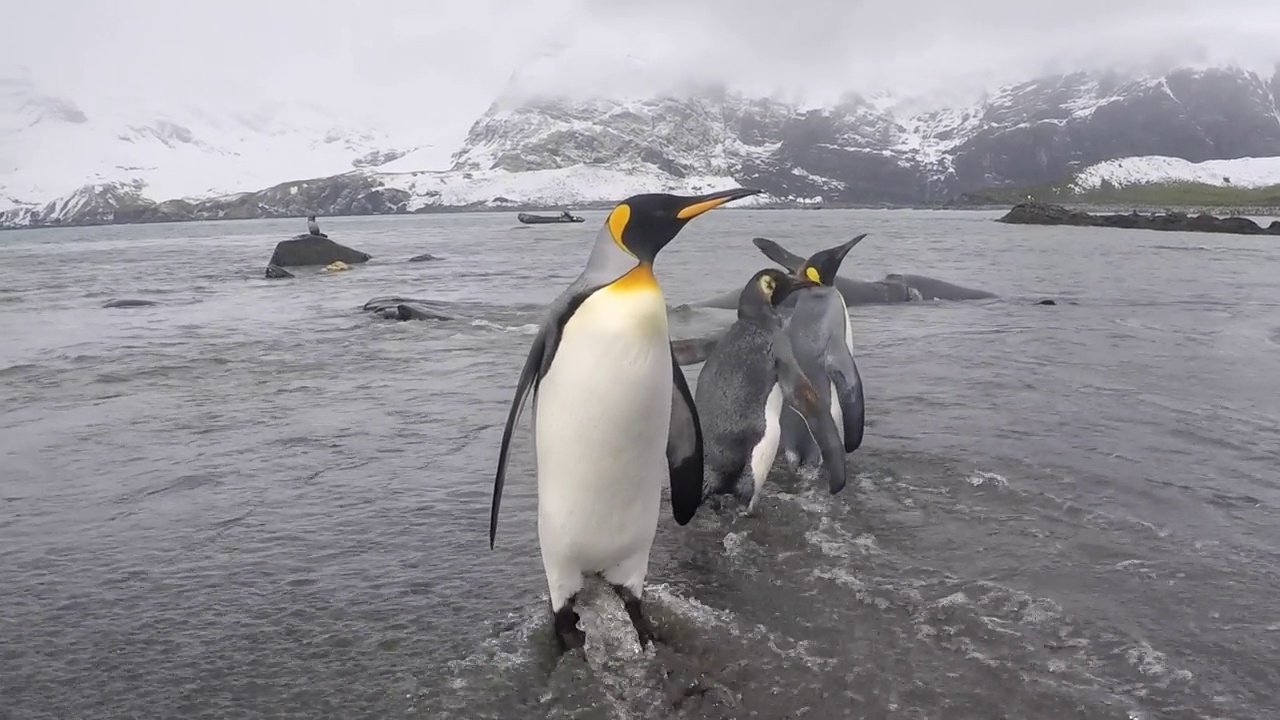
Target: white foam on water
613,652
1153,663
982,477
834,541
734,543
846,579
807,498
706,617
525,329
510,648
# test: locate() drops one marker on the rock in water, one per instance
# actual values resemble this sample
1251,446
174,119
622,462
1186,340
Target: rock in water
314,250
336,266
423,257
275,271
1037,213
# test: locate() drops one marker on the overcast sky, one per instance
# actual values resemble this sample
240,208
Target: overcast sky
437,63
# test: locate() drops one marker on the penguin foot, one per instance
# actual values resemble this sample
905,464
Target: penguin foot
644,629
568,636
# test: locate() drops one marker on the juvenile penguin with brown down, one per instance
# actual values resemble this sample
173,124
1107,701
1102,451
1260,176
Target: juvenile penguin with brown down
748,378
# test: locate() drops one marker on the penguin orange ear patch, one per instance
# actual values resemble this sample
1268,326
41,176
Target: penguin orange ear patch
617,222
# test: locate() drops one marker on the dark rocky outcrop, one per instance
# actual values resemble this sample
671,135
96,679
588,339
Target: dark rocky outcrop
275,271
425,257
1035,213
314,250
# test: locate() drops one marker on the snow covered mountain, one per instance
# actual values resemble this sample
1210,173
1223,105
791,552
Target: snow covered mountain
91,162
555,152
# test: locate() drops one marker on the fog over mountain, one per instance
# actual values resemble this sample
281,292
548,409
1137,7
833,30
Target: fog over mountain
435,66
107,110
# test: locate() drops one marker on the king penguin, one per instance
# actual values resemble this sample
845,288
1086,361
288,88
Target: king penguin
817,323
746,380
613,415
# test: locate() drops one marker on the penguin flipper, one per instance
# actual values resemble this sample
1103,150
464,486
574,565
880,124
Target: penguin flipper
541,353
684,448
844,375
529,376
800,394
775,252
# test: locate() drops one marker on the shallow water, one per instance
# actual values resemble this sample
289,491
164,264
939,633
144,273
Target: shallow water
255,500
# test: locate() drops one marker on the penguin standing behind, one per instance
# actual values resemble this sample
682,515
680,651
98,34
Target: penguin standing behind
747,378
313,228
614,417
817,322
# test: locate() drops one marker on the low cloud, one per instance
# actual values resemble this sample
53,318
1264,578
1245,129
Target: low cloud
436,65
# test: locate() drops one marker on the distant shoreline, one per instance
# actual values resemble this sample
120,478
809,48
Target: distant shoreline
969,206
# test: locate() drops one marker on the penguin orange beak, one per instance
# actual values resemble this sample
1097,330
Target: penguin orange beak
702,203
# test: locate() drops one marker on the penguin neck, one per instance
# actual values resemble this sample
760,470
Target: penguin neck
757,310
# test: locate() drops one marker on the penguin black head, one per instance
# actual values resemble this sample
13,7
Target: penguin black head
822,266
311,218
766,290
643,224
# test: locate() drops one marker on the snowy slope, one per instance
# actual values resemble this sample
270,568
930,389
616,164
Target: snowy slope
573,185
1249,172
50,147
63,163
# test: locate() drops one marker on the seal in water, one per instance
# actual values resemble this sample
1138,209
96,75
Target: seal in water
894,288
128,303
614,417
403,308
742,388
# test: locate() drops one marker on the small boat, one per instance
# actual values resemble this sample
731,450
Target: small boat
528,219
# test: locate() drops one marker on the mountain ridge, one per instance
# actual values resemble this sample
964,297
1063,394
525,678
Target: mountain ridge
552,152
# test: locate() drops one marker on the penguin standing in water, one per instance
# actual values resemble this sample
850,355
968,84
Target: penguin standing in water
313,227
613,415
747,378
817,323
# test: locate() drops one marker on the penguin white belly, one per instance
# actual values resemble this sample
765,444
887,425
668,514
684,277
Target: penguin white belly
766,449
602,414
